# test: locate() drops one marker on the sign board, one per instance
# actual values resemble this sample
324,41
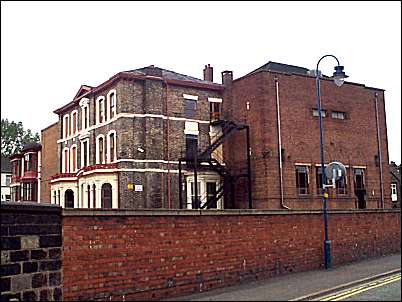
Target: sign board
130,186
335,170
138,188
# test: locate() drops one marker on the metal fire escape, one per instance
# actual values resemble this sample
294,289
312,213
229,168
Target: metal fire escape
197,164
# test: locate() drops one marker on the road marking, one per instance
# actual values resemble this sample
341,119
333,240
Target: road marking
360,289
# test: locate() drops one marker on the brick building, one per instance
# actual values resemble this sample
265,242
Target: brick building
49,137
6,174
26,173
119,143
396,187
278,102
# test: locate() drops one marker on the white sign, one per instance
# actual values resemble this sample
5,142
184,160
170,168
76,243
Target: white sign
138,188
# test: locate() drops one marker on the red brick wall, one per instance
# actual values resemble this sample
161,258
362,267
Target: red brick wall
352,141
154,254
49,159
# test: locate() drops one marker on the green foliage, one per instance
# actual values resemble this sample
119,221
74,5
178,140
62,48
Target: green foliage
14,137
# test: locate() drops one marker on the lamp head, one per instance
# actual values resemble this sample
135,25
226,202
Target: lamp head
339,76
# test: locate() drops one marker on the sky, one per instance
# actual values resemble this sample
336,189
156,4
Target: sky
49,49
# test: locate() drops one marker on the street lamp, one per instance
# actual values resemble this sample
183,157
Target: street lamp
339,77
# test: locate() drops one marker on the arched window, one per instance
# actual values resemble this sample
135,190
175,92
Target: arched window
89,195
100,108
112,100
69,199
66,160
66,126
106,198
73,158
85,117
84,103
94,196
84,153
111,145
82,197
100,158
74,122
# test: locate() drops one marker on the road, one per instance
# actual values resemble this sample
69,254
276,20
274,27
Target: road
383,289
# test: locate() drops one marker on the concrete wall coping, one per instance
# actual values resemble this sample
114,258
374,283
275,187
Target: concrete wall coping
229,212
27,206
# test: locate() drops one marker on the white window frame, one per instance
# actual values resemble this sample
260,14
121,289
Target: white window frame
97,149
98,100
108,146
65,169
109,102
84,103
66,125
82,152
76,122
72,158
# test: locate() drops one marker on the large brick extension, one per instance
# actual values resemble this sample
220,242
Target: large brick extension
155,254
352,141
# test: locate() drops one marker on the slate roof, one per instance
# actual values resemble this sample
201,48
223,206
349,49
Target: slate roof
31,146
168,74
5,165
274,66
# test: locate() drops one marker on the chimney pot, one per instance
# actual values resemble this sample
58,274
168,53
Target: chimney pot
208,73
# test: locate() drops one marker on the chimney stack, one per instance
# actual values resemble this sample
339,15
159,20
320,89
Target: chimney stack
208,73
227,78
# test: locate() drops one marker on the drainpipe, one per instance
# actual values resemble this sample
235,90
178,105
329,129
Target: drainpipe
379,149
167,142
279,142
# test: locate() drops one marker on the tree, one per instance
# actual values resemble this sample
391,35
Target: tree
14,137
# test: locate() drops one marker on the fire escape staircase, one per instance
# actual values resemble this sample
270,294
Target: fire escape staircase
228,129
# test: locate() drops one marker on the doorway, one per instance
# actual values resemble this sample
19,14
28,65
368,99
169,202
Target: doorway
69,199
106,196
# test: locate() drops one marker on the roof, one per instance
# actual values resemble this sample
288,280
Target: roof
31,146
292,69
274,66
167,74
150,72
5,165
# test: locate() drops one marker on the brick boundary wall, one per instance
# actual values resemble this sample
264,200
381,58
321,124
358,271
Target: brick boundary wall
157,254
30,252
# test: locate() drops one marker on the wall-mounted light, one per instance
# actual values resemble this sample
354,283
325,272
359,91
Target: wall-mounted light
139,149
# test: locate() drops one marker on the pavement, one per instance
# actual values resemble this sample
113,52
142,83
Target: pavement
304,286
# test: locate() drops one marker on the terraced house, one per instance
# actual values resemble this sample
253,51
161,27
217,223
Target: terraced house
121,143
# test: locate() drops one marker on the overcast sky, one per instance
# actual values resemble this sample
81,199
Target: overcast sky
49,49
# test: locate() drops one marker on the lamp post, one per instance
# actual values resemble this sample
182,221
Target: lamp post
339,77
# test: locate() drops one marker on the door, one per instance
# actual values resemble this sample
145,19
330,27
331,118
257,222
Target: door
106,196
69,199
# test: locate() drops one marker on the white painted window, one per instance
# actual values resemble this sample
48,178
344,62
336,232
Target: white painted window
100,149
65,160
74,122
84,153
207,186
73,157
84,103
316,113
112,103
338,115
100,110
394,192
111,146
66,125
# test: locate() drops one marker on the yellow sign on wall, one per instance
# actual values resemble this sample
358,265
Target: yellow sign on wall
130,186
